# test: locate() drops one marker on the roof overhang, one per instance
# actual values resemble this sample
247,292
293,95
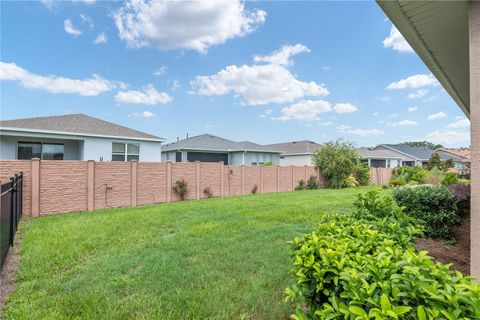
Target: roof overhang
12,130
438,32
167,149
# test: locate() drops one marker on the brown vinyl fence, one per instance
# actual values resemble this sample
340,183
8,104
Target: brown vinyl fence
64,186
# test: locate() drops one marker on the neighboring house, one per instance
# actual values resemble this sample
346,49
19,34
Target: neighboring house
460,157
381,157
412,156
210,148
75,137
296,152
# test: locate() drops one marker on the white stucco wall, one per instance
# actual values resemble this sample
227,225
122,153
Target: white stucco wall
296,160
97,148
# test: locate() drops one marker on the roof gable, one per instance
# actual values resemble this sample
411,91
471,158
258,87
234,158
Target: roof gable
295,147
420,153
76,124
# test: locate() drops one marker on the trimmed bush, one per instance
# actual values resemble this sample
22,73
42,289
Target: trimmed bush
313,183
435,206
396,183
364,266
351,182
300,186
434,176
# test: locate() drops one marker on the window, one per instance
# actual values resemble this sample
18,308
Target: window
44,151
125,151
178,156
207,157
254,163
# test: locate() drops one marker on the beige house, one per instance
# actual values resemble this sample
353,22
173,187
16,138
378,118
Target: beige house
446,36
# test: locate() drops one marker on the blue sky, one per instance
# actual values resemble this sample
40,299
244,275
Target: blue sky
260,71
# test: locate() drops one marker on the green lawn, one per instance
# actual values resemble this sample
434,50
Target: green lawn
208,259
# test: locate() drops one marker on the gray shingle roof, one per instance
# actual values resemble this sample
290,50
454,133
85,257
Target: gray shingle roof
78,124
422,153
378,153
295,147
209,142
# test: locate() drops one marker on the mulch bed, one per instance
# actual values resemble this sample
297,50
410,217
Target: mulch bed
457,254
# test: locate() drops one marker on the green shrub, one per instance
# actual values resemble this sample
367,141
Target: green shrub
462,194
434,176
464,181
364,266
407,174
396,182
313,183
268,164
254,189
449,179
180,189
336,160
419,175
362,174
436,206
300,186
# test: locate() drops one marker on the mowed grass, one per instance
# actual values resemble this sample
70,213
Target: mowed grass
209,259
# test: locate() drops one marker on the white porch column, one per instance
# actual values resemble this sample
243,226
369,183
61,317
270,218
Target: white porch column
474,31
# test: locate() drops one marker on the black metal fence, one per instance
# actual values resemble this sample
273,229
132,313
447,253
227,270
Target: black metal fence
11,204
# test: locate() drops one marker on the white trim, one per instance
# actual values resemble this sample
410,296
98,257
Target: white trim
76,134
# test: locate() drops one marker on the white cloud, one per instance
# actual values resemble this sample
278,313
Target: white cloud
327,68
70,29
436,116
282,56
402,123
396,41
50,4
384,98
258,84
359,132
415,81
307,110
420,93
460,124
160,71
412,109
55,84
101,38
87,20
149,95
175,85
393,115
448,137
375,114
267,113
144,114
194,25
344,108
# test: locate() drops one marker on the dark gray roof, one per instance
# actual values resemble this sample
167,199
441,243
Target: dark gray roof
209,142
78,124
295,147
378,153
422,153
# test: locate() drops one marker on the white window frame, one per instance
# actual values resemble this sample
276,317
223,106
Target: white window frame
126,154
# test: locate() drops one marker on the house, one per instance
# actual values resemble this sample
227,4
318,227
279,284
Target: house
412,156
459,156
295,152
75,137
381,157
210,148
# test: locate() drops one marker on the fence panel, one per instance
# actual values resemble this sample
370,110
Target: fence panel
11,205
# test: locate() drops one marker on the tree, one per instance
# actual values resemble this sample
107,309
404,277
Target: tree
434,161
425,144
336,160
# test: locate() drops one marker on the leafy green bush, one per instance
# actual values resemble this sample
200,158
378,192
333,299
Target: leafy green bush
419,175
449,179
268,164
336,160
351,182
300,186
180,189
435,206
407,174
362,174
396,182
313,183
364,266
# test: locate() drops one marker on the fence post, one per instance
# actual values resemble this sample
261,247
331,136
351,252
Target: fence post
242,179
169,181
35,193
197,179
133,183
306,174
13,180
261,179
90,185
222,176
278,178
293,179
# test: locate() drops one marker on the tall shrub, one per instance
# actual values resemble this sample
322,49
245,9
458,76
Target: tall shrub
336,160
362,174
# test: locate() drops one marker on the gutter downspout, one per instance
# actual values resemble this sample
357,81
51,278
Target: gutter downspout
243,157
